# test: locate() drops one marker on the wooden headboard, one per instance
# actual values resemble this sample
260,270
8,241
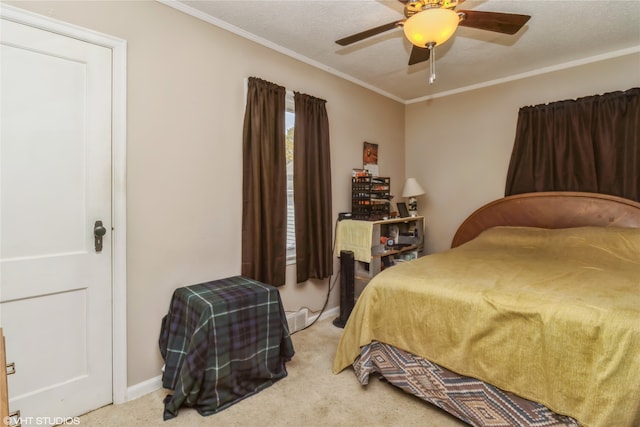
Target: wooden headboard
556,209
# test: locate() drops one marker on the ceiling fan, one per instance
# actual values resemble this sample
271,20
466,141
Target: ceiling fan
429,23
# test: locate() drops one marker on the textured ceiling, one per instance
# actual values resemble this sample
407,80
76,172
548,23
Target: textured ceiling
559,34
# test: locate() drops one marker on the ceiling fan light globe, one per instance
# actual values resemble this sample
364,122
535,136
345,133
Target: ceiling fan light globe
435,25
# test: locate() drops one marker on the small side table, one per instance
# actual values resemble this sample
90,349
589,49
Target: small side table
222,341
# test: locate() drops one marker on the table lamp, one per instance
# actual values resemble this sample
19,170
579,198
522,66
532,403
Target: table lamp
411,190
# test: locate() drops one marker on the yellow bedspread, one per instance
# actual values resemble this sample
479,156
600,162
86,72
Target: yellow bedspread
550,315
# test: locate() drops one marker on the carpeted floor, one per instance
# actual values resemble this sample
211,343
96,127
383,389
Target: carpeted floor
311,395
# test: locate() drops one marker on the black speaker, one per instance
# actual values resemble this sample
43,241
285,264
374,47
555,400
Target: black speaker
347,287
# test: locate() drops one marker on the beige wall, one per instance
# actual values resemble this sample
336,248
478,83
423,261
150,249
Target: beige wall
184,135
458,147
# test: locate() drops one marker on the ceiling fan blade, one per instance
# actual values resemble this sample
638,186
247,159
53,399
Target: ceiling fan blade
506,23
419,54
368,33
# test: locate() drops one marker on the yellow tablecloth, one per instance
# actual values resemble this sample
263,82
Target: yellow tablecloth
355,236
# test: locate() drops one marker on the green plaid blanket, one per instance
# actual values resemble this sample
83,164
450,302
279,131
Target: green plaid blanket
222,341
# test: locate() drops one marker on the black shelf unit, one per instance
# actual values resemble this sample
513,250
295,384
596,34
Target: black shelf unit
370,197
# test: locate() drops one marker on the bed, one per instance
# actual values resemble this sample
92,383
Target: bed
531,319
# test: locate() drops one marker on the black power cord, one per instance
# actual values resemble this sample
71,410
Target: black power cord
329,288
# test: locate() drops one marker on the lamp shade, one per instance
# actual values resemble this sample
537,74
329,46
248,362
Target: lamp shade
412,188
435,25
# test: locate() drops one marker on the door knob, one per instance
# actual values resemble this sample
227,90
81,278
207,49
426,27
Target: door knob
98,232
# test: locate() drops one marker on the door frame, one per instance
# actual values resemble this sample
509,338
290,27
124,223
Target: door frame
118,176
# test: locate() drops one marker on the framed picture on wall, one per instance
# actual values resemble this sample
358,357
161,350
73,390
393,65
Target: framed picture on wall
402,210
370,158
370,154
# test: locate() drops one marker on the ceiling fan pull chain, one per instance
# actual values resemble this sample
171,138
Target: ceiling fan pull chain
432,63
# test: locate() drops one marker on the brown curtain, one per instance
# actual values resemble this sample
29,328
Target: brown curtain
264,194
312,189
590,144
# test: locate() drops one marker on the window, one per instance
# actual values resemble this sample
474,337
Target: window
291,227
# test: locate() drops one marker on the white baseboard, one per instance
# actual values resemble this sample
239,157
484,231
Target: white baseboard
145,387
333,312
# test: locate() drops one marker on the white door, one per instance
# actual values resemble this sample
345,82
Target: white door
55,183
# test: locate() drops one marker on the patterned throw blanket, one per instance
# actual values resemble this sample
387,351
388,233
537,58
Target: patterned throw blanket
222,341
473,401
